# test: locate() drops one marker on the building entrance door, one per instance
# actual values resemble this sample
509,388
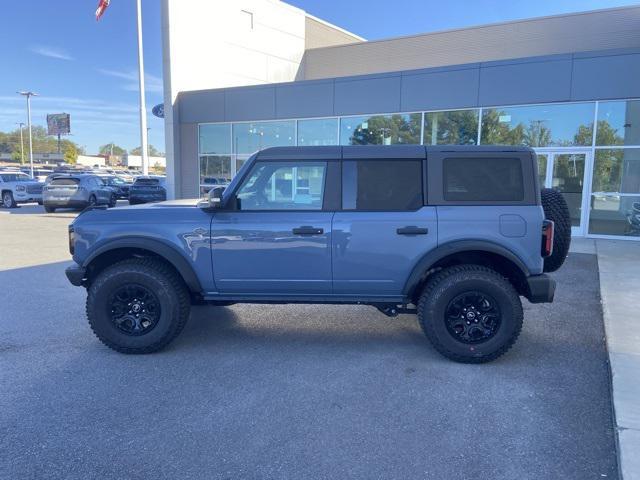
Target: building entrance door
567,172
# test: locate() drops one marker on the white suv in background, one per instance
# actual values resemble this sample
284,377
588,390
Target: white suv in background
17,187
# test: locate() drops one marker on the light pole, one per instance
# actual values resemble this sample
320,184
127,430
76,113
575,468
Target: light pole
143,106
21,144
29,95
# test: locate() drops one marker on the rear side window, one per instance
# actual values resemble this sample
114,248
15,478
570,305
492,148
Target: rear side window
483,179
382,185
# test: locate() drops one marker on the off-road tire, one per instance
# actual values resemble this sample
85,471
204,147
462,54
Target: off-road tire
7,200
49,209
154,275
450,282
556,209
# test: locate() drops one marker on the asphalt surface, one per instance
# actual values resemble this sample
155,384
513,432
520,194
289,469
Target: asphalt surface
290,392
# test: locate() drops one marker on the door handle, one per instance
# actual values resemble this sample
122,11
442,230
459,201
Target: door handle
412,230
307,230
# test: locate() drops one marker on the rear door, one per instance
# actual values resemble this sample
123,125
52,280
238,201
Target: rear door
277,239
384,227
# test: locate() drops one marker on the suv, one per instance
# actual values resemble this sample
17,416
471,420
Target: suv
455,235
76,191
17,187
148,189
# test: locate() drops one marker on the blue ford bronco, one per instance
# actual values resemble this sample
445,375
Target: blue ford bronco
455,235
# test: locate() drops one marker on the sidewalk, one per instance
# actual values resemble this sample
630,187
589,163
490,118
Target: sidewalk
619,266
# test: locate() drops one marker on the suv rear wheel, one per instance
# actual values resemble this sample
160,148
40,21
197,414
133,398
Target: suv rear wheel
470,313
137,306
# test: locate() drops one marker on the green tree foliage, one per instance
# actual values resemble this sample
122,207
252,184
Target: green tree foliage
42,143
392,129
495,132
112,149
458,127
70,153
153,151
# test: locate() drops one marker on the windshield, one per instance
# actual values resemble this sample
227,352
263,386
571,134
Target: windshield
15,177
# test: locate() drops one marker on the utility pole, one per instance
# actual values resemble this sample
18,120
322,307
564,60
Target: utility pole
21,144
143,106
29,94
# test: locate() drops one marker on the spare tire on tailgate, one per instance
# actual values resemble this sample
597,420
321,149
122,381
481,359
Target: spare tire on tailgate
556,209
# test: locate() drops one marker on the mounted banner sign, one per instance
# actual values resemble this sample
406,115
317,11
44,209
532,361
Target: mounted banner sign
158,110
58,124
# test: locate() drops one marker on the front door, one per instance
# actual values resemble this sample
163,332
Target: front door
278,240
566,171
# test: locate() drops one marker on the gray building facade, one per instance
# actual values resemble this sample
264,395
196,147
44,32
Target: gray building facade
580,110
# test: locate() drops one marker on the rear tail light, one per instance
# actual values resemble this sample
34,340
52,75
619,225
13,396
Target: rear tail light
72,240
547,238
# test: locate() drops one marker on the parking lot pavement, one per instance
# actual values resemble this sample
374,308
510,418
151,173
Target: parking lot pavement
295,392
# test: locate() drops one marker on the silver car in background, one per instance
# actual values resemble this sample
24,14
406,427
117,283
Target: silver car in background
17,187
76,191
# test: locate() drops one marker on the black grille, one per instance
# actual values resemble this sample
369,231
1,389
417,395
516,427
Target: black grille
34,188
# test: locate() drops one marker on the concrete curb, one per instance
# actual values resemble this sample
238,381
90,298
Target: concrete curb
619,271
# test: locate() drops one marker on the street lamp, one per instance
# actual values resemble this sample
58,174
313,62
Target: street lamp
21,143
29,95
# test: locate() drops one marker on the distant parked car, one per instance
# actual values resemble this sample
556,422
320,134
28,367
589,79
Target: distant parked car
210,182
148,189
39,174
76,191
119,185
17,187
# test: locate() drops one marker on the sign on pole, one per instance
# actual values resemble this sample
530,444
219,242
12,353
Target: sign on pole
59,124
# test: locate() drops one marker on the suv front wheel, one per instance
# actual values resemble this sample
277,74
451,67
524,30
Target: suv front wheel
470,313
137,306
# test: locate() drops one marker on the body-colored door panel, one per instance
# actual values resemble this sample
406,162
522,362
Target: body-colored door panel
374,252
259,253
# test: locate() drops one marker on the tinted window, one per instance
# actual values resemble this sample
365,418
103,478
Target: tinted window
618,123
382,185
15,177
323,131
251,137
483,179
456,127
65,181
381,129
283,186
147,181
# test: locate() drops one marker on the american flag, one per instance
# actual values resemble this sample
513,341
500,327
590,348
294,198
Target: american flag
102,6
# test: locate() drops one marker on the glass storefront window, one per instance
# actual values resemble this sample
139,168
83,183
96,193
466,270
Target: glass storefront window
381,129
215,139
214,170
542,169
617,170
618,123
614,214
251,137
321,131
539,125
457,127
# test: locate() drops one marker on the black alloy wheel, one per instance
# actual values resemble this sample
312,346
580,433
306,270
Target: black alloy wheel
134,309
473,317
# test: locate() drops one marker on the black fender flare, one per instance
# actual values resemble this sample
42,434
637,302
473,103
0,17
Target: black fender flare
167,252
442,251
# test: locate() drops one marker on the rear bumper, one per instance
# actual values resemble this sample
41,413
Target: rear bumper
76,275
65,203
541,288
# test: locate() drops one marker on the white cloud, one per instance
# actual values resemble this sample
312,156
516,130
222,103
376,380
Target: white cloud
152,83
51,52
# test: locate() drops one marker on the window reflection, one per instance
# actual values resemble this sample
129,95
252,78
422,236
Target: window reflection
539,125
214,170
251,137
617,170
381,130
615,214
618,123
322,131
215,139
457,127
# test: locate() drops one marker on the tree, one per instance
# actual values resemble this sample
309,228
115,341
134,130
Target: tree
153,152
70,153
112,149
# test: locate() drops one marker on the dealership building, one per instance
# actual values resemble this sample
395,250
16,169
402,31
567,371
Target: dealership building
244,75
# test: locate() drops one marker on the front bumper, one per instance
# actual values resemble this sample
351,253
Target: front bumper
541,288
22,197
76,275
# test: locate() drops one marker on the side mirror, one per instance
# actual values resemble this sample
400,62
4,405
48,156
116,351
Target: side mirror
214,199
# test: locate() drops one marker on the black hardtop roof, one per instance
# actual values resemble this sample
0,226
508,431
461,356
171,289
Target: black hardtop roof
376,151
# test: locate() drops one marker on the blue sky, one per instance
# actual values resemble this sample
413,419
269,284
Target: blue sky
89,69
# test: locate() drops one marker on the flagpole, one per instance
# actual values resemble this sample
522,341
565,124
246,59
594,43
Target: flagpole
143,106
